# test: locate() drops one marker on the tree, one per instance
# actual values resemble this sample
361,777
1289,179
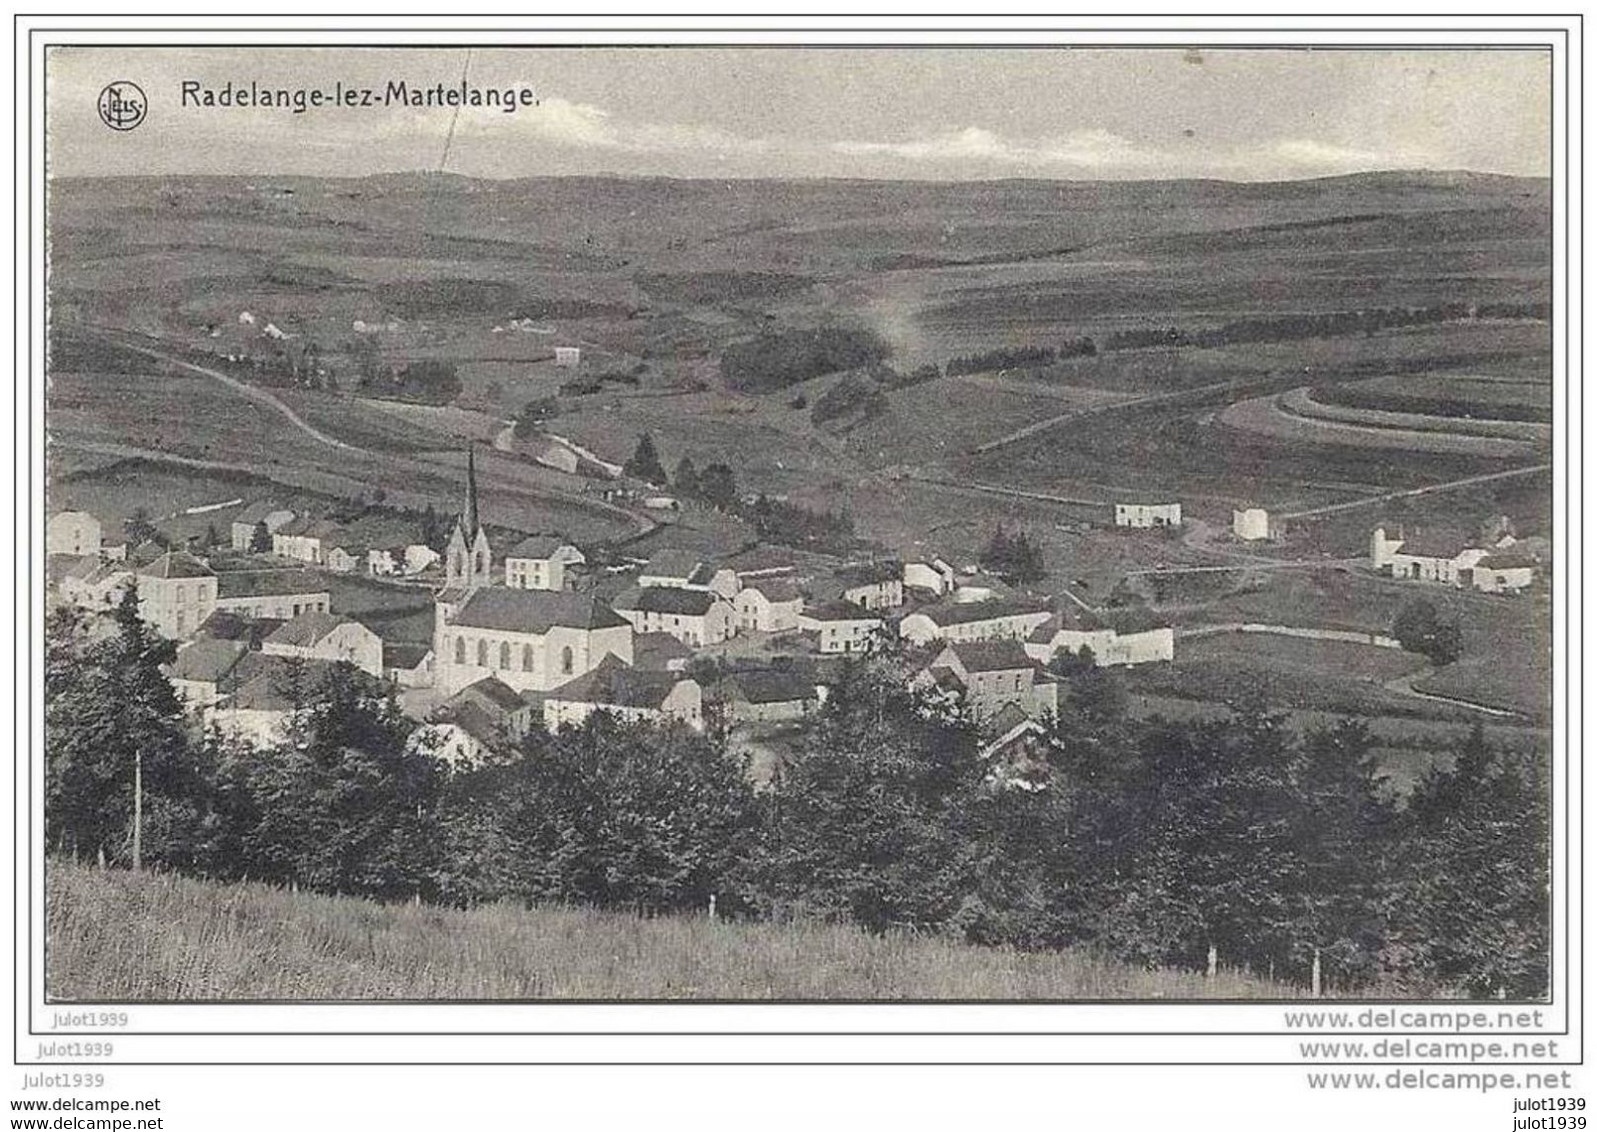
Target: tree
212,536
644,463
686,478
138,529
1419,629
1014,558
718,487
261,539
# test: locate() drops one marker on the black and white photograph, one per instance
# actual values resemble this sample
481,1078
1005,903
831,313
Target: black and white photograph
799,523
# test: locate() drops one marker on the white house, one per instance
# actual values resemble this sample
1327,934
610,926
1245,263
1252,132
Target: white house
199,670
1250,524
176,592
72,532
695,617
252,517
531,639
568,357
1503,573
408,664
1115,637
539,563
871,585
842,626
1147,514
327,636
768,605
484,717
271,593
306,539
767,695
628,693
936,577
684,570
974,621
1424,558
345,557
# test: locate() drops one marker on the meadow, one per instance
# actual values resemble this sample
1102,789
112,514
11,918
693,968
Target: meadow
124,937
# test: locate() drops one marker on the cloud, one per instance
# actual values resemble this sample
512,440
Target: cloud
1305,153
580,125
1082,150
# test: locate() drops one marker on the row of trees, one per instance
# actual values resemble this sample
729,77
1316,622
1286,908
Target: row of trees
1152,841
1328,324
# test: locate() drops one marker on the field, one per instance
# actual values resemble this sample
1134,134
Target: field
117,936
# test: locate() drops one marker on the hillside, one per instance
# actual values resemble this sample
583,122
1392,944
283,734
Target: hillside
118,936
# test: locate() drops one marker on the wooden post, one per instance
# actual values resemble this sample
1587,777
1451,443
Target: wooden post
712,905
1214,960
1314,975
138,810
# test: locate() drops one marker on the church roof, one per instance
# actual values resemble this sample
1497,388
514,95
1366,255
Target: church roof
534,611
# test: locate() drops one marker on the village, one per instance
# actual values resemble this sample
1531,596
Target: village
537,633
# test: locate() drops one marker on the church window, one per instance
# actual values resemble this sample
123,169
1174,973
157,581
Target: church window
460,650
526,658
504,654
567,661
482,654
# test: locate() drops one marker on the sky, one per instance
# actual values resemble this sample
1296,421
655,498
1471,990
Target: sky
923,113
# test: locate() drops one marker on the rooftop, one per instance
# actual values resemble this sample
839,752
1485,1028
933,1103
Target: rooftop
970,612
671,563
667,599
176,564
306,629
614,683
534,611
206,660
769,686
992,656
268,583
842,611
537,547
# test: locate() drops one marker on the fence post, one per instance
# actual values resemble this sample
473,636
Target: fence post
1314,975
712,905
1214,960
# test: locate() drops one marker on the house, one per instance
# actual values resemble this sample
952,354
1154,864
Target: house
176,593
1147,514
1250,524
539,563
328,636
198,671
935,577
618,689
660,652
91,584
994,675
568,357
872,585
1015,745
282,594
346,558
481,719
762,562
768,605
1503,573
258,700
767,695
1015,618
411,558
695,617
72,532
226,625
1116,637
307,539
1424,557
408,664
842,626
684,570
530,639
252,518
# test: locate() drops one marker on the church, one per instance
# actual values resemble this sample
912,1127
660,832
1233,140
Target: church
533,640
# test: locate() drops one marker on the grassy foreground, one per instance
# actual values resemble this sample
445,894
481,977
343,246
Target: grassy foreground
123,937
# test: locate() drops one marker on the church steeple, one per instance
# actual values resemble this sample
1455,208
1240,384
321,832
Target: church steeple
468,515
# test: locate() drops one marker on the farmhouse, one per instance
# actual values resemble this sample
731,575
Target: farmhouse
92,584
994,675
539,563
1147,514
72,532
568,357
408,664
1250,524
484,717
255,515
767,695
684,570
346,557
694,617
842,626
1116,637
626,692
1423,558
935,577
768,605
271,593
1504,573
307,539
974,620
176,593
871,585
328,636
200,667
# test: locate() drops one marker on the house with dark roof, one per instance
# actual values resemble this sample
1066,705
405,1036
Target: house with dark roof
950,620
1504,573
408,664
767,695
327,636
280,594
200,667
695,617
531,639
842,626
257,700
626,692
252,517
685,570
660,652
994,675
1424,556
871,585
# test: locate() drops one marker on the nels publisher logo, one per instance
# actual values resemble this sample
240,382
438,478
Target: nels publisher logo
123,106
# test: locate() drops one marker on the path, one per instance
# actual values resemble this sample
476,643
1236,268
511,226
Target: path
1404,685
1315,512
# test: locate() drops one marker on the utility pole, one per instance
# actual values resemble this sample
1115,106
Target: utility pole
138,809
